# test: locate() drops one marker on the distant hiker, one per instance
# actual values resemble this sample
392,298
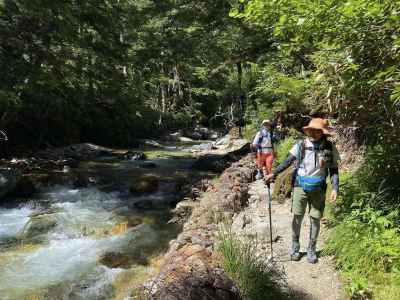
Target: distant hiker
264,144
316,158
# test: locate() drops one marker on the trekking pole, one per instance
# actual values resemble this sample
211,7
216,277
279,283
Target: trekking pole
270,216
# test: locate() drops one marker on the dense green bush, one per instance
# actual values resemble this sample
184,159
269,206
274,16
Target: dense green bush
374,185
365,238
366,245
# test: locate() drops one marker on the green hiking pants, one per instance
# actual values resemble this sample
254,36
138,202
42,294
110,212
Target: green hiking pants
314,199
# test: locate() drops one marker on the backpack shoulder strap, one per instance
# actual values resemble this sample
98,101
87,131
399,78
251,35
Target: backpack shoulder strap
260,138
301,151
328,145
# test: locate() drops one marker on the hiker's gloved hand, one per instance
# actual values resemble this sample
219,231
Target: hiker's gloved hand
333,196
269,178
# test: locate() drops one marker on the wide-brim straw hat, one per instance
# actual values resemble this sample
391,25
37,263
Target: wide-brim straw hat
318,123
266,121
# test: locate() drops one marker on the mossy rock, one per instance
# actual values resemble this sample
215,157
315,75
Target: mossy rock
283,185
145,184
115,260
37,226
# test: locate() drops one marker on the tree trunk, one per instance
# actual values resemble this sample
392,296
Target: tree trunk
241,98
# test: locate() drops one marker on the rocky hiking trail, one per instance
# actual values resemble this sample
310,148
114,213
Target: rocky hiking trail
304,280
191,269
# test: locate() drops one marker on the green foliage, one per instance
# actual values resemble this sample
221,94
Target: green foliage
249,271
283,149
367,250
110,72
366,236
373,185
383,162
339,58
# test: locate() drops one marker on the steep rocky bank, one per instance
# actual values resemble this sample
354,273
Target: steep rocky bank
190,269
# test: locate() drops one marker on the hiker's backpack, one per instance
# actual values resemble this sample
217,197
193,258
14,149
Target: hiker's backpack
325,146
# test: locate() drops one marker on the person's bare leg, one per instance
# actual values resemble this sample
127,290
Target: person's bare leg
268,163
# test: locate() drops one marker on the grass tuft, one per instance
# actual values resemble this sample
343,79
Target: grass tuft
254,277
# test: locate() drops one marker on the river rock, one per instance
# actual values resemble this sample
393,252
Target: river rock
38,225
134,155
151,143
203,147
145,184
184,139
190,272
200,133
115,260
84,180
173,137
182,211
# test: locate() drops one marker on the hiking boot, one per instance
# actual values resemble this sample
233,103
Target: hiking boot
295,254
312,252
259,175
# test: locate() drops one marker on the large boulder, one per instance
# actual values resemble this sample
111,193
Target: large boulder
144,184
198,133
9,179
219,162
190,271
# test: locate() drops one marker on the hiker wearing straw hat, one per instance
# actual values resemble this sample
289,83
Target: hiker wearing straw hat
315,158
264,144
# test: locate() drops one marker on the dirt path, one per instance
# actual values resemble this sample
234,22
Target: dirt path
305,280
